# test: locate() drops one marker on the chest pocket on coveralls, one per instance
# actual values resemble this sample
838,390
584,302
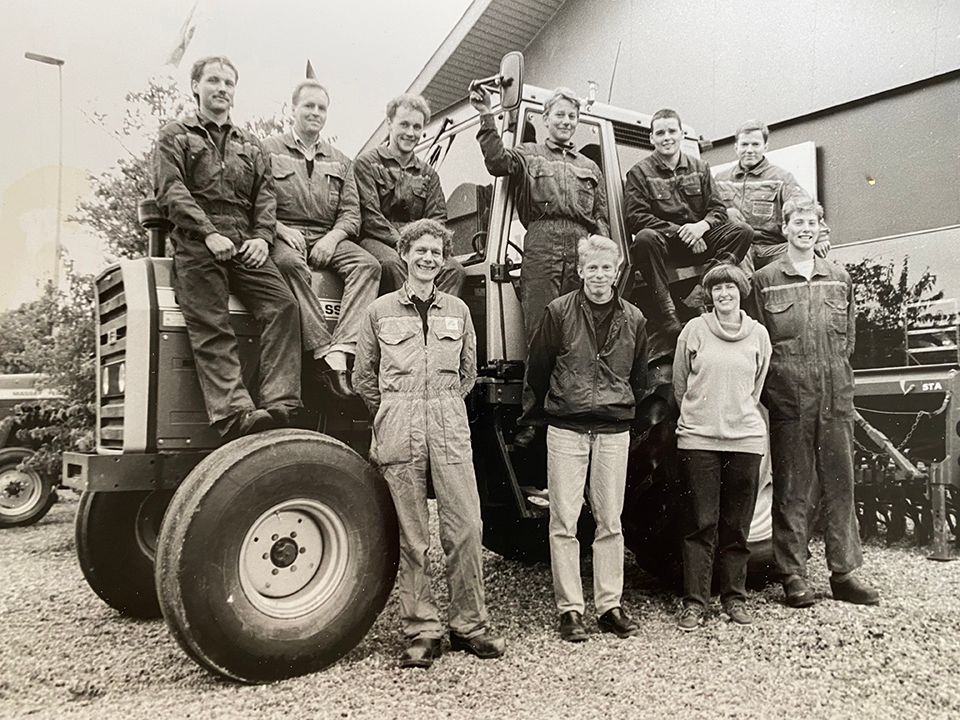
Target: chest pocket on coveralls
199,164
782,321
660,189
398,346
240,166
762,203
836,310
449,334
333,177
281,166
542,182
690,185
586,187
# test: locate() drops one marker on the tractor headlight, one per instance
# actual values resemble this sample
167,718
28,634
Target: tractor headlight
122,378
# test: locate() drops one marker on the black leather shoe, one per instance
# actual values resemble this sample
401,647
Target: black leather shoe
338,382
421,653
797,593
283,416
525,437
249,423
737,611
571,627
854,591
485,646
616,621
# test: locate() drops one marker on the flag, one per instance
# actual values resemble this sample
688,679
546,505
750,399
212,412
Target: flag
186,34
311,73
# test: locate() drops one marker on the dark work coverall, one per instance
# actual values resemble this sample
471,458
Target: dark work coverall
809,394
315,198
211,179
560,198
391,195
413,372
657,200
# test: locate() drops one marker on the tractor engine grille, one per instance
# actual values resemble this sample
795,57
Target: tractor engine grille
111,355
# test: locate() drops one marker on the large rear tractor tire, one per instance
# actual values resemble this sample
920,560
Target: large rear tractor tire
25,495
116,535
277,554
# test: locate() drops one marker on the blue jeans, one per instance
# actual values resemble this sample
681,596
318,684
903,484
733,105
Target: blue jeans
569,454
722,492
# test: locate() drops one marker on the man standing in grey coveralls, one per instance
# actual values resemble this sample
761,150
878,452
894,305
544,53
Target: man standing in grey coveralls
318,218
416,360
213,183
807,306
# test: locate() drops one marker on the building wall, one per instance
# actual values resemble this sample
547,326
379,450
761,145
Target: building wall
907,142
719,61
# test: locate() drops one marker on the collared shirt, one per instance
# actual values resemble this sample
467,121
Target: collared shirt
394,193
661,198
316,202
422,306
211,178
553,180
759,193
812,326
308,151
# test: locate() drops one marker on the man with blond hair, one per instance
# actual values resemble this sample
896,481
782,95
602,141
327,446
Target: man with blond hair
397,187
586,374
560,197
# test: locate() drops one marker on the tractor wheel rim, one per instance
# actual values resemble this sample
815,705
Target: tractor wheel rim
293,558
18,491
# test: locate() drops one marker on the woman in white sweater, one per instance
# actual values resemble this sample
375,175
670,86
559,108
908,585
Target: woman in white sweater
718,372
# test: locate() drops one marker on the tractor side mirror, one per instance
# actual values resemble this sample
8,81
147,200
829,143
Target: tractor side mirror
511,80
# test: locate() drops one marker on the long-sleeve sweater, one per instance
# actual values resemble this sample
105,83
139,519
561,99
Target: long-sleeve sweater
717,379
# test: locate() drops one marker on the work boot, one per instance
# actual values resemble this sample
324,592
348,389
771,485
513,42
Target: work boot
485,646
338,382
571,627
853,590
246,423
421,653
616,621
797,593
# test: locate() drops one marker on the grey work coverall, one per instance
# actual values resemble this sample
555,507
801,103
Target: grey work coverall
809,393
414,384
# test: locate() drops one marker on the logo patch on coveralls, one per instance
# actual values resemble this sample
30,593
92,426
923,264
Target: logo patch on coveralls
453,323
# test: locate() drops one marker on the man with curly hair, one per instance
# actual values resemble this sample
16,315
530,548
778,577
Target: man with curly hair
416,361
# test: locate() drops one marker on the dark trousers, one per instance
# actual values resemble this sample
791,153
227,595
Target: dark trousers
549,267
203,287
722,491
813,462
652,248
293,268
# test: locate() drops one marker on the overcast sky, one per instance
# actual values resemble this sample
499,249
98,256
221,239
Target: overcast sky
365,51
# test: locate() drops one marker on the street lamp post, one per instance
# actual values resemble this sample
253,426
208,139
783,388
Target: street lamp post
47,60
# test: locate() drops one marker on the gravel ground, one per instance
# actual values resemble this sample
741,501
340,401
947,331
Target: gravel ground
65,654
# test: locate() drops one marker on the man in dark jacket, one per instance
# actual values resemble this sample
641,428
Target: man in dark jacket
586,373
672,209
213,182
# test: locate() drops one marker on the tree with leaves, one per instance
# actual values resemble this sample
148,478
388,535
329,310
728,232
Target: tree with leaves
55,335
881,294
